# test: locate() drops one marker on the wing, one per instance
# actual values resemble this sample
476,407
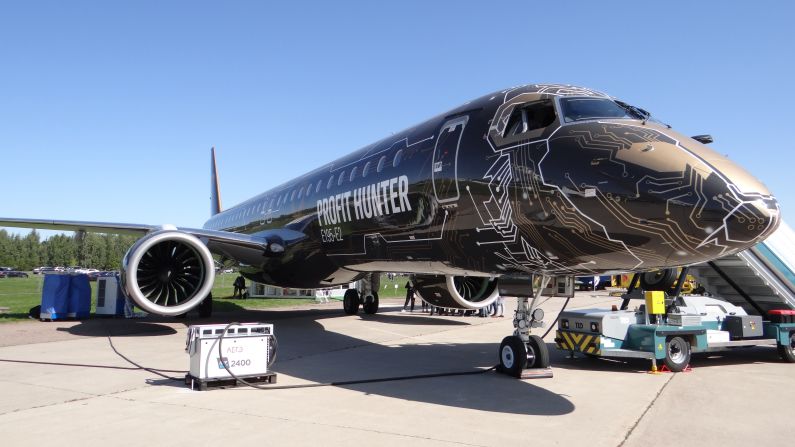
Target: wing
221,242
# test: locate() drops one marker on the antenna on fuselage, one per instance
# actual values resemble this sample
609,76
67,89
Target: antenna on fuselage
215,192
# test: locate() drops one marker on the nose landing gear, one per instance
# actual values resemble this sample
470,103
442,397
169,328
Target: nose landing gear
522,354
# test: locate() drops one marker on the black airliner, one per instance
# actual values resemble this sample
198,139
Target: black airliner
542,179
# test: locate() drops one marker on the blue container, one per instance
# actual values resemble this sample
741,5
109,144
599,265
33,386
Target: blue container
55,297
79,297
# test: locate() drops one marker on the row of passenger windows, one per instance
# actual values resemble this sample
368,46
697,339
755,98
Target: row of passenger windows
310,189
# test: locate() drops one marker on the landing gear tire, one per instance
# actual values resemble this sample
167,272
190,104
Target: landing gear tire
371,304
537,353
677,354
206,307
513,356
350,302
659,280
787,351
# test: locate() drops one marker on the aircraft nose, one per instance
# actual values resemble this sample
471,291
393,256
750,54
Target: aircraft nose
746,220
741,207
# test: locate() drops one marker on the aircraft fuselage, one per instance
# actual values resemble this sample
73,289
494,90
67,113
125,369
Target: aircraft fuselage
521,181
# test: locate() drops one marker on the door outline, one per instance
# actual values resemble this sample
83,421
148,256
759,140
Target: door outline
449,126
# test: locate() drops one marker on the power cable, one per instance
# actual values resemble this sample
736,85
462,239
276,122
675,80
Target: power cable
159,372
339,383
552,326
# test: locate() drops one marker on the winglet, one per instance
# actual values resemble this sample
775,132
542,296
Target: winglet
215,192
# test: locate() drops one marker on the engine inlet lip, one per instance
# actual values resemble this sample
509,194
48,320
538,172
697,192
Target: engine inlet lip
133,259
470,304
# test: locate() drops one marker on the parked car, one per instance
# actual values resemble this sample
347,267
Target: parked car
12,274
97,274
6,269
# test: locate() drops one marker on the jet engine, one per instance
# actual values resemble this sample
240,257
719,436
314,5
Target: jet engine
168,272
457,292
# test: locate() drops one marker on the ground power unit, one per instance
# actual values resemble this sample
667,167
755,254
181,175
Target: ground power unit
245,349
110,298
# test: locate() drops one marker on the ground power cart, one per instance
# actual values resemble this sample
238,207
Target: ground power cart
670,332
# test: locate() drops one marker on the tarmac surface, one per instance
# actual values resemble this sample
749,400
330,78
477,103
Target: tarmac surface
62,384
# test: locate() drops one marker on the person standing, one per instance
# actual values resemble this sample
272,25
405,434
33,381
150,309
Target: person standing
499,307
240,286
409,296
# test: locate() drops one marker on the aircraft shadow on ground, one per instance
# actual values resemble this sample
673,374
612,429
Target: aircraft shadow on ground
119,327
308,351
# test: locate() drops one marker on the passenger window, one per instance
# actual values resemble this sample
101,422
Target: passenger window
533,116
381,163
397,159
366,169
353,173
341,178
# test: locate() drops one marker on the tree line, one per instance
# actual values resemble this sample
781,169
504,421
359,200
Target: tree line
89,250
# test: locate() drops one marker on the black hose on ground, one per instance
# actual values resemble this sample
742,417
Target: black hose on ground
339,383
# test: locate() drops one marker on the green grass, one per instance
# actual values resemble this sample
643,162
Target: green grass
21,294
388,290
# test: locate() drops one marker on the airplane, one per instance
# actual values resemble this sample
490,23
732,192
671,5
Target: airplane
541,180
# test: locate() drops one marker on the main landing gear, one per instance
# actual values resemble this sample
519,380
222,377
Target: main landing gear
369,302
521,352
352,300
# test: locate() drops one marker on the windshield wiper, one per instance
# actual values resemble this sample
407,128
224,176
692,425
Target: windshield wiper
637,112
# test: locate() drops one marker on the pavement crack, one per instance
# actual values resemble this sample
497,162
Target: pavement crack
646,410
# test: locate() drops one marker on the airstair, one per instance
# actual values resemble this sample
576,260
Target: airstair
758,279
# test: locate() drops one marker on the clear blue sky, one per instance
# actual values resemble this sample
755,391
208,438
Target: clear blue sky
108,109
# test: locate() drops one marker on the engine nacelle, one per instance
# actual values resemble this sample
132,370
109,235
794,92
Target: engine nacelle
457,292
168,272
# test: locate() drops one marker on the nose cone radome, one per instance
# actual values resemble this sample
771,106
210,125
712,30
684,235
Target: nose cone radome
748,212
746,222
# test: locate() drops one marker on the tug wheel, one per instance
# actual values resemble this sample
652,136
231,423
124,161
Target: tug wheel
787,351
350,302
513,356
677,354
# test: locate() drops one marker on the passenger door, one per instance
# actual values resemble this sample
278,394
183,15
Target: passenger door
445,160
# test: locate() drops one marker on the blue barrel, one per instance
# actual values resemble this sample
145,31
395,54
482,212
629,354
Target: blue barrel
55,297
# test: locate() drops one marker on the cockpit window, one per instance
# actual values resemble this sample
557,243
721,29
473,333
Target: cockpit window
533,116
577,109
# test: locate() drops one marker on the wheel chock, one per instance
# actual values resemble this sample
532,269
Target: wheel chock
536,373
654,369
686,369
